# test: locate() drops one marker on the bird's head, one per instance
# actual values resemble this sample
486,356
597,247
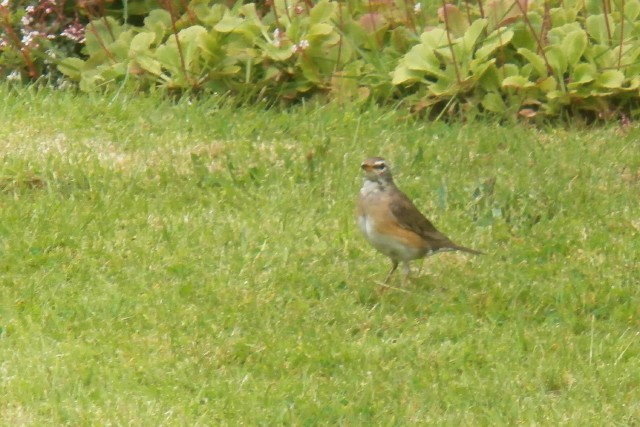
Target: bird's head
377,169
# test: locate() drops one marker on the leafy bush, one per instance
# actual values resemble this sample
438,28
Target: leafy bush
504,56
285,52
581,57
35,35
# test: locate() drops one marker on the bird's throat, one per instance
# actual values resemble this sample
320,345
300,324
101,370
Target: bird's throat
370,187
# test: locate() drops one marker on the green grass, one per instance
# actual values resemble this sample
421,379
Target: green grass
196,264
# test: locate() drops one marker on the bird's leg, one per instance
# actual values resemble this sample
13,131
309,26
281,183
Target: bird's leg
393,268
405,271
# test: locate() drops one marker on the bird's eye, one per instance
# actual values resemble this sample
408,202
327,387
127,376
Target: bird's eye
379,166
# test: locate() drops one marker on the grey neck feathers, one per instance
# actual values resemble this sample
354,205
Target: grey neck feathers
381,184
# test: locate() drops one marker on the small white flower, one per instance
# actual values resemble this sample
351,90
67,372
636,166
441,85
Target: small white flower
417,8
29,38
5,3
295,48
14,76
277,38
304,44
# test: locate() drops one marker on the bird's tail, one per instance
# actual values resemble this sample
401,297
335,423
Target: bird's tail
469,250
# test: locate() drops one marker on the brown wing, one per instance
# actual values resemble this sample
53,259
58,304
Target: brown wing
410,218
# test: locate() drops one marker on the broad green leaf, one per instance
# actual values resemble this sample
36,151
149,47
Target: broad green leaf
627,54
597,28
250,14
611,79
574,45
471,35
593,6
547,85
276,53
89,80
557,34
495,40
119,50
310,70
211,47
535,60
631,10
558,16
209,15
557,60
140,43
100,34
601,55
322,12
402,74
490,79
478,67
454,20
159,22
492,101
149,64
518,82
582,74
318,30
71,67
169,55
522,36
434,38
228,23
503,12
526,70
422,58
444,86
140,53
191,34
633,84
510,70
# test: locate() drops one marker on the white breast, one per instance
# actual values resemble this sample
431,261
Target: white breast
385,243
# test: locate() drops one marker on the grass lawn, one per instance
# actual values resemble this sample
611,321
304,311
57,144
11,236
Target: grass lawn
196,264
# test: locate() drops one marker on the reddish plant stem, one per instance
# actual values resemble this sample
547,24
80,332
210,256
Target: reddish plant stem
621,33
341,39
373,23
537,38
286,9
546,23
408,11
308,5
468,10
189,11
606,11
453,55
275,13
24,50
174,28
91,27
103,15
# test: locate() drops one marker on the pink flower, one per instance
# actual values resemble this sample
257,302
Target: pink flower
74,32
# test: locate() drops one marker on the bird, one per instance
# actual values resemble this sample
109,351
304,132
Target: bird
391,222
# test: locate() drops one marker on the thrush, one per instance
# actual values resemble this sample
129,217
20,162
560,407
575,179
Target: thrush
392,223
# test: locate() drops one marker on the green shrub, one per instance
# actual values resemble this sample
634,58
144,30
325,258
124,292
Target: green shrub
506,57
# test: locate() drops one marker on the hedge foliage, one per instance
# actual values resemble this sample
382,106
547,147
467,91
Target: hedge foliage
509,57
